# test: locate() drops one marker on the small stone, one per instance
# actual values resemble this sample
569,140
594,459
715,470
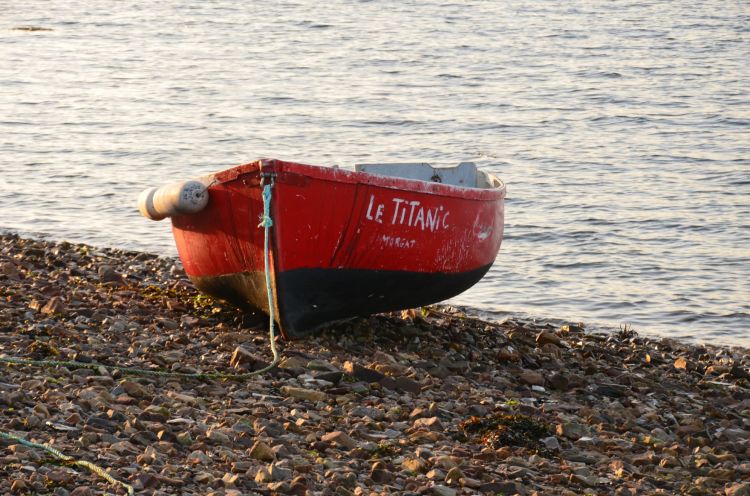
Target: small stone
392,369
54,305
59,476
198,457
81,491
358,388
298,486
612,390
321,366
583,480
18,486
416,465
148,457
154,413
547,338
722,474
439,490
87,439
435,474
453,476
263,476
171,481
447,461
293,362
304,394
440,372
740,489
218,437
204,477
739,373
551,443
170,325
733,434
183,398
681,363
240,467
9,270
166,438
91,394
340,438
508,354
229,479
431,423
531,378
125,448
644,459
470,483
279,473
692,428
244,360
423,452
362,373
41,410
552,350
716,370
261,451
363,411
494,487
107,273
133,389
184,438
281,487
572,430
419,412
407,385
332,377
118,326
380,474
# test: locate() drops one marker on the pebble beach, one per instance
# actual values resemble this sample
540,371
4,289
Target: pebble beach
428,401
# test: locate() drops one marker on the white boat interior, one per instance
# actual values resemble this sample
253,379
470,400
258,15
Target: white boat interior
464,174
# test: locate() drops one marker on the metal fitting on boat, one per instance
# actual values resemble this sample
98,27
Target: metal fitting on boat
186,197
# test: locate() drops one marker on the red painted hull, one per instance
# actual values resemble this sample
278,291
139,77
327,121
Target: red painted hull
343,243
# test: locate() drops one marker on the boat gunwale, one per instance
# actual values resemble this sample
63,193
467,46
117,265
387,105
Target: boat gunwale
280,167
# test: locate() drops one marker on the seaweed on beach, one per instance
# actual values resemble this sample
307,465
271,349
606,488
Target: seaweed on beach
505,430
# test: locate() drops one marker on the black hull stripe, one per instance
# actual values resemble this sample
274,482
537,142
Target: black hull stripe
308,299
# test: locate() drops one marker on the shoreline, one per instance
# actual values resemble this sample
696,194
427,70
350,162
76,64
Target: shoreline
492,316
433,402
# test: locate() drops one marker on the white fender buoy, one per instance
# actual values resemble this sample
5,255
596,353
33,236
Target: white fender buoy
186,197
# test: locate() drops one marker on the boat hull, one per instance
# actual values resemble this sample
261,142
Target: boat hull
343,243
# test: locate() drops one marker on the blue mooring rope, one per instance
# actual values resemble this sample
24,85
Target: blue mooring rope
266,222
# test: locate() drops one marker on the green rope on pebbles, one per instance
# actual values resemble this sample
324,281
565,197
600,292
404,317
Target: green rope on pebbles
69,459
266,224
137,371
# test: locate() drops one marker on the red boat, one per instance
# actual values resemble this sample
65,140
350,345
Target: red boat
343,243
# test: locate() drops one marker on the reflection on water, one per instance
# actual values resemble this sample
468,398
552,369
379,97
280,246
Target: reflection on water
620,128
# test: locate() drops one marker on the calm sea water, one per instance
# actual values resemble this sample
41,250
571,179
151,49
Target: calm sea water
621,128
